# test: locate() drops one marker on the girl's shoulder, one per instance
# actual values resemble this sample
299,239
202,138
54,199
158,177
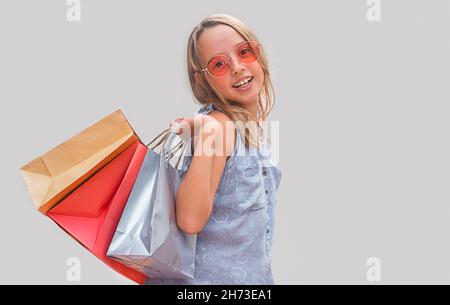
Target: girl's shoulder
228,127
216,113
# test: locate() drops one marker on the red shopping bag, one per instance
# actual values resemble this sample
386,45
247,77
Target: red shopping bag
91,212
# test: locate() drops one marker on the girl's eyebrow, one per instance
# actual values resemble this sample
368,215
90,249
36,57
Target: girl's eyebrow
231,49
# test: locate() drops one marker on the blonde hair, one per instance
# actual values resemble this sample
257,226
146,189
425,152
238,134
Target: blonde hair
206,94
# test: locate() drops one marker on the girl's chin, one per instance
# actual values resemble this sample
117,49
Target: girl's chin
247,99
246,96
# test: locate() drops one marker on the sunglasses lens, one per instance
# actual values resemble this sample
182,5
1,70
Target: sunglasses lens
218,66
248,52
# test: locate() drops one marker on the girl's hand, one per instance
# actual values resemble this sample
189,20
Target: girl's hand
183,126
188,127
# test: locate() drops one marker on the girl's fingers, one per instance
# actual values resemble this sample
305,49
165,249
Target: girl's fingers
179,125
179,119
182,126
175,123
175,127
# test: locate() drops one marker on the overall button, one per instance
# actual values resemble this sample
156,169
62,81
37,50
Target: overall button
266,191
264,172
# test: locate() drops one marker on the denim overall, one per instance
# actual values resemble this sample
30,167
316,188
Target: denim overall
234,246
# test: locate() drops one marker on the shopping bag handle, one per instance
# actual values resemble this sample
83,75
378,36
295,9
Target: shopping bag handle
167,138
165,132
169,152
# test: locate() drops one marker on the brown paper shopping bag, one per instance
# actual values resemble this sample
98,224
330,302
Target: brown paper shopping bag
52,176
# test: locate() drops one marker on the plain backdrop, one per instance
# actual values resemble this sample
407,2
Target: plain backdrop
363,110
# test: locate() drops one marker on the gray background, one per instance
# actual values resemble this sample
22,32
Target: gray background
363,111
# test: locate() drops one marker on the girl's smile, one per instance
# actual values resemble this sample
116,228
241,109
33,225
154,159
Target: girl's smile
244,84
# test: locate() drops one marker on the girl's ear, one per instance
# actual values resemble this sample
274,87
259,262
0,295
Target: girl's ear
199,80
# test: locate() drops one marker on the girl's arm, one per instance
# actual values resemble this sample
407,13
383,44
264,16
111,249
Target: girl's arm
195,196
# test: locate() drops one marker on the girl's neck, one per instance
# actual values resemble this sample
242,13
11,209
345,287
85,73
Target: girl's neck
253,108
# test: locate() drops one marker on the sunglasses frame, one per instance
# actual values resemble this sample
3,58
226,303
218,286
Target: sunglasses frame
229,58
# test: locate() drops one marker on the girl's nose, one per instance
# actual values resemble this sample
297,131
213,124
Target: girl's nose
236,66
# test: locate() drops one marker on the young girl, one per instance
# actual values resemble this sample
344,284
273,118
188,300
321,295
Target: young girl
228,197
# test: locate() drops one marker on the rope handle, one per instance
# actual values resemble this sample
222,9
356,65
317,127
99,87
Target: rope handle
167,138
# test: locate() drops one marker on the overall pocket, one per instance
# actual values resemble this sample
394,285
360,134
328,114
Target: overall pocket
249,184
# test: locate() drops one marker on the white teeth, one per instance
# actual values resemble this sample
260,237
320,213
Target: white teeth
243,82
